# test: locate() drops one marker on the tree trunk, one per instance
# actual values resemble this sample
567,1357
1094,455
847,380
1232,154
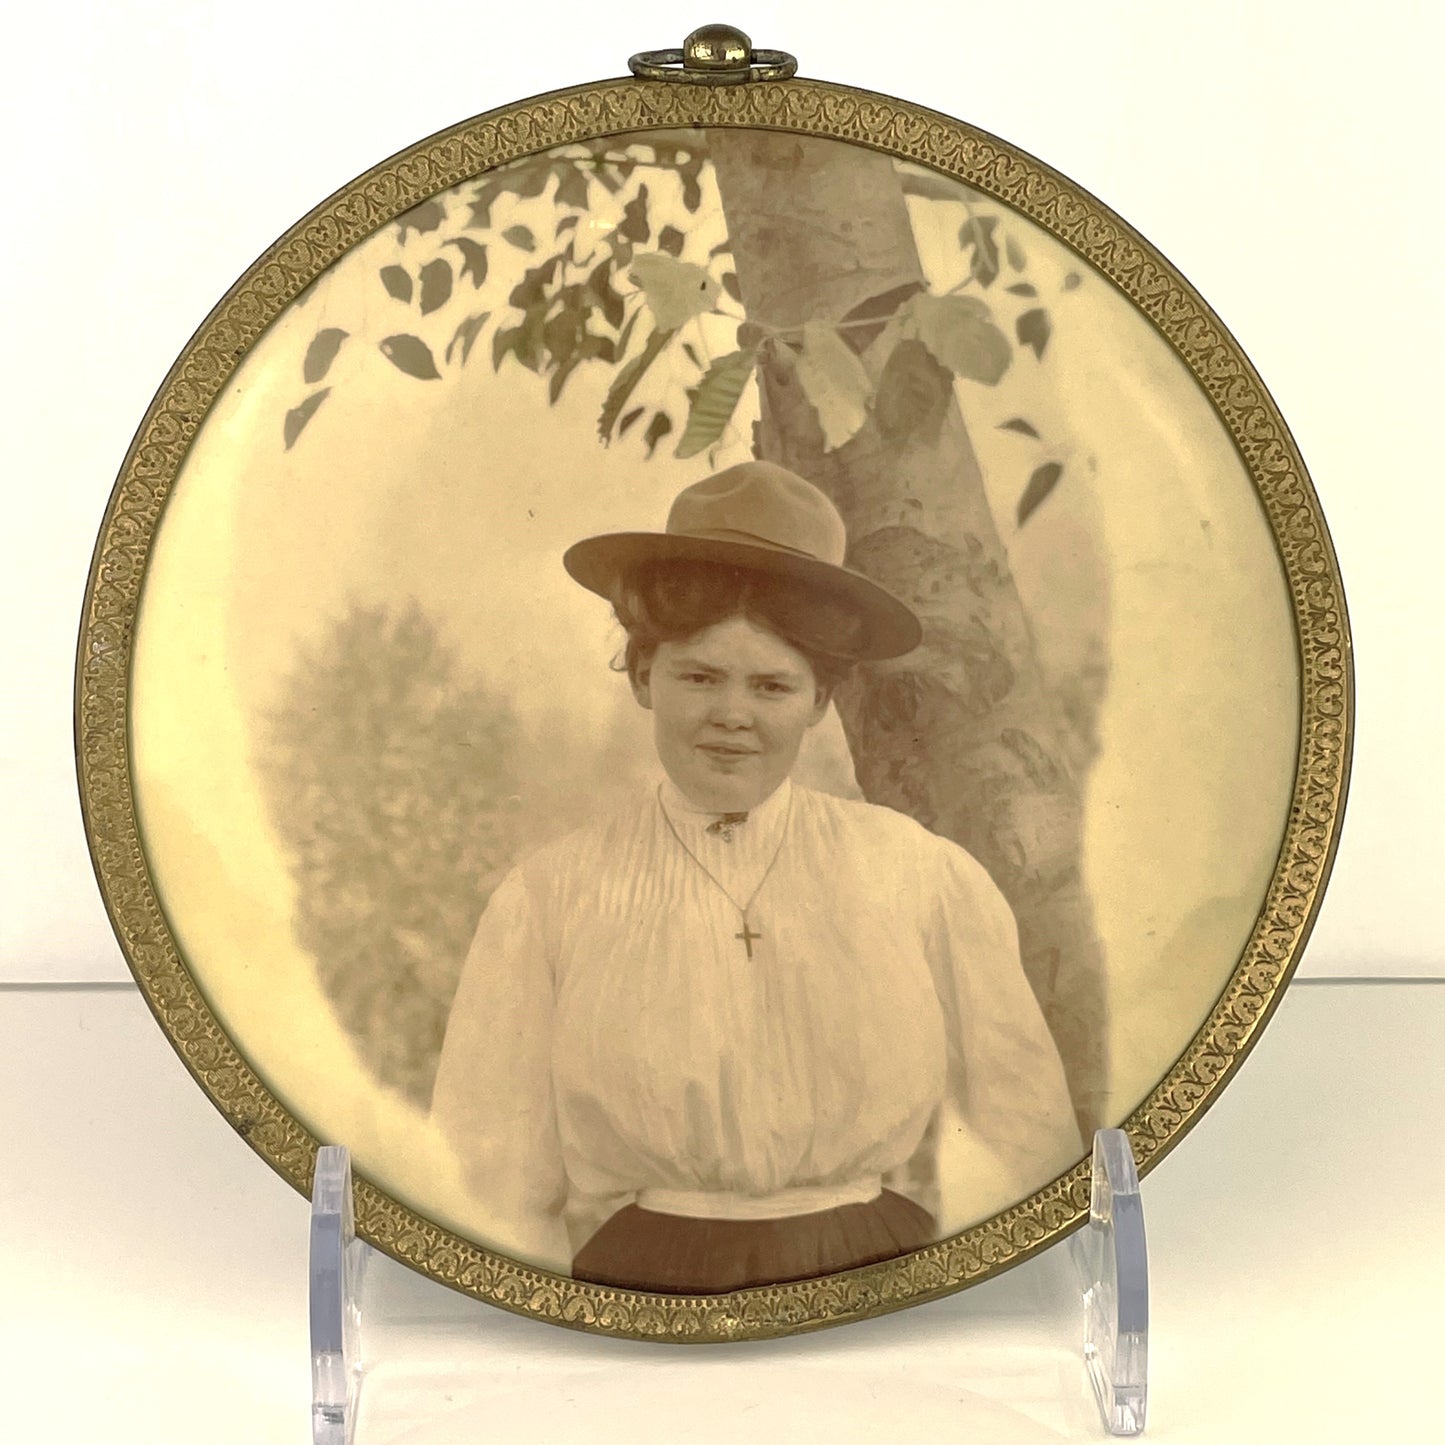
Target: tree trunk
962,734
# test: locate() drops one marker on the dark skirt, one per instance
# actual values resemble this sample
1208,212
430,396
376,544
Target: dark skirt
672,1254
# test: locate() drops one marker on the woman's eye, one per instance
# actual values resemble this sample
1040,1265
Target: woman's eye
776,689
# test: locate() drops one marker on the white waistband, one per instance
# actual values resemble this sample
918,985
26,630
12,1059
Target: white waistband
785,1203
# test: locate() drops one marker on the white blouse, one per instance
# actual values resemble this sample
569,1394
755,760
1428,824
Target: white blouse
611,1040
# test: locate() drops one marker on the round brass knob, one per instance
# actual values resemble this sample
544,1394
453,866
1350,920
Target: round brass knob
717,47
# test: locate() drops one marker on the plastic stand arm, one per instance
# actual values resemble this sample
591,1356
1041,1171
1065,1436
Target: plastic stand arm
1109,1255
337,1263
1113,1262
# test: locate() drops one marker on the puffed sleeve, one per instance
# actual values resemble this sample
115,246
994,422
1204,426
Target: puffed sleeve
493,1100
1006,1080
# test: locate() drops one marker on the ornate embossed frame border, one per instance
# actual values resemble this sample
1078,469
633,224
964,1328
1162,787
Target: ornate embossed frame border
897,128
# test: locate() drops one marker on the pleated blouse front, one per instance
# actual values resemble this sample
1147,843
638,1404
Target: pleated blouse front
612,1040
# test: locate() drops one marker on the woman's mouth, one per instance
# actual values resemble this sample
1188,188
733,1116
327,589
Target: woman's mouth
726,751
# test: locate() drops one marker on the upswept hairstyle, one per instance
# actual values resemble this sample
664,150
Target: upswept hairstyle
671,599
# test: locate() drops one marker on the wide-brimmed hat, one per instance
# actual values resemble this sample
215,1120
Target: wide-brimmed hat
762,517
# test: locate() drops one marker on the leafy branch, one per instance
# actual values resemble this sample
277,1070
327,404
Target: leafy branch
580,302
613,286
993,255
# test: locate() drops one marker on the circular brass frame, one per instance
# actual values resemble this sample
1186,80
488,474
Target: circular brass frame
814,108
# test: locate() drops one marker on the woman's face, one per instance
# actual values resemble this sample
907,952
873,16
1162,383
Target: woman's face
730,706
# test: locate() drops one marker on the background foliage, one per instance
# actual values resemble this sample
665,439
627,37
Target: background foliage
391,780
598,255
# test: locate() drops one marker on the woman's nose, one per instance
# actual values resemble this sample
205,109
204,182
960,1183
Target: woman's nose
731,708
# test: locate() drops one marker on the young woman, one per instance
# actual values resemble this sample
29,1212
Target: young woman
693,1039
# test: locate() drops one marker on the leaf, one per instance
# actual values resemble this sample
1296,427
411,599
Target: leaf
559,378
524,180
926,184
482,203
531,290
321,353
716,400
425,217
412,355
504,339
675,291
529,178
520,237
298,416
1021,288
1014,252
562,332
670,239
959,333
635,226
571,185
691,190
690,351
524,340
977,232
876,308
436,285
835,383
599,283
589,344
465,336
1033,329
875,358
625,335
529,338
474,258
397,280
913,394
1018,424
657,428
731,285
625,383
629,419
565,224
1043,481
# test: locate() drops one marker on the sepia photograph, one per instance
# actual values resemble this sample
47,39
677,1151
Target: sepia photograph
712,703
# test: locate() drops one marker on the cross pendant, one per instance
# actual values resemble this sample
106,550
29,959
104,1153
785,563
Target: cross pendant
747,936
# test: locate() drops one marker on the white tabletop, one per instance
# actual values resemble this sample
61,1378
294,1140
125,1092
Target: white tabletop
154,1276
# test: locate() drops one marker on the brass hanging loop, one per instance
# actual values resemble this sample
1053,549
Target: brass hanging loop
714,55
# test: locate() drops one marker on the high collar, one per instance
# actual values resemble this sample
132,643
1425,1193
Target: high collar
763,820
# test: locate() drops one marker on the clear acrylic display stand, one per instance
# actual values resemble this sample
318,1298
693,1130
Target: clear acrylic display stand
1109,1264
337,1266
1113,1265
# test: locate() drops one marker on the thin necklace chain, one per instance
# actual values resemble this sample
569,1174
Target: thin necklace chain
742,908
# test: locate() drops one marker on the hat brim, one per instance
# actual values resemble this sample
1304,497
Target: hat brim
890,627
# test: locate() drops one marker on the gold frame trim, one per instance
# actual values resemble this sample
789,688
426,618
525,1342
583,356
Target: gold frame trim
816,108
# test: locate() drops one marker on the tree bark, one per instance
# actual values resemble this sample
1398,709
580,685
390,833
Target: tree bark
962,734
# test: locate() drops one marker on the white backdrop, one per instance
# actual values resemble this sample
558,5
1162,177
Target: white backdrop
1284,156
